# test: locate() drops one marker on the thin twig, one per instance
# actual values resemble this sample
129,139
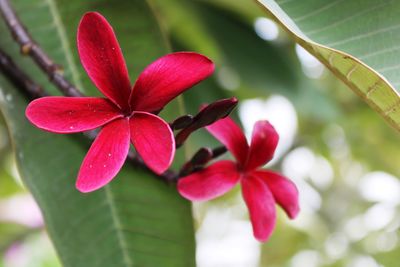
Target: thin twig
18,77
54,71
30,47
22,81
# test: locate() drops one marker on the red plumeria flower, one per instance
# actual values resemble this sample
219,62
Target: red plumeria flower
125,114
260,188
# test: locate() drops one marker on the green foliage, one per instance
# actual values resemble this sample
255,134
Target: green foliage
356,40
140,221
135,221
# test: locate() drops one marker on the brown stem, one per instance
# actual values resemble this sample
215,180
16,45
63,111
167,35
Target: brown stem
18,77
31,48
22,81
54,71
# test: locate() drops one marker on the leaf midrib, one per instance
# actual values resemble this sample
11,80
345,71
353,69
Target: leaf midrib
118,226
112,206
76,79
64,42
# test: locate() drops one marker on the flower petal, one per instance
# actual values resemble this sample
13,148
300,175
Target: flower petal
167,77
105,157
153,140
261,205
263,144
209,183
102,58
71,114
283,190
230,134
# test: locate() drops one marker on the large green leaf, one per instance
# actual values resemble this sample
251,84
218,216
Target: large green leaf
357,40
137,220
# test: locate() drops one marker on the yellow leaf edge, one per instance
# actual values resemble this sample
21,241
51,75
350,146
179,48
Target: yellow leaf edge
373,89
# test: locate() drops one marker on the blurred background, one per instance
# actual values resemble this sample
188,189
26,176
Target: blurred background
342,156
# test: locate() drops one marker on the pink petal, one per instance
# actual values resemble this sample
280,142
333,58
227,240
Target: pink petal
209,183
261,205
102,58
263,145
167,77
153,140
230,134
283,190
105,157
71,114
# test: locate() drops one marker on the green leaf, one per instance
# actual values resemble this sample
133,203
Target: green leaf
357,40
232,44
248,54
137,220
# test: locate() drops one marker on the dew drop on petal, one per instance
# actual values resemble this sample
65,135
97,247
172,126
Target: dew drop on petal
71,127
90,166
109,154
104,165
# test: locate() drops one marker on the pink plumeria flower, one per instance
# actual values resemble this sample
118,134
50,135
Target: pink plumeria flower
126,115
261,189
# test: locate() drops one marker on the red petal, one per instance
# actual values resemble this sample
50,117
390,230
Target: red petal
229,134
102,58
263,145
167,77
209,183
153,140
105,157
71,114
261,205
284,191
